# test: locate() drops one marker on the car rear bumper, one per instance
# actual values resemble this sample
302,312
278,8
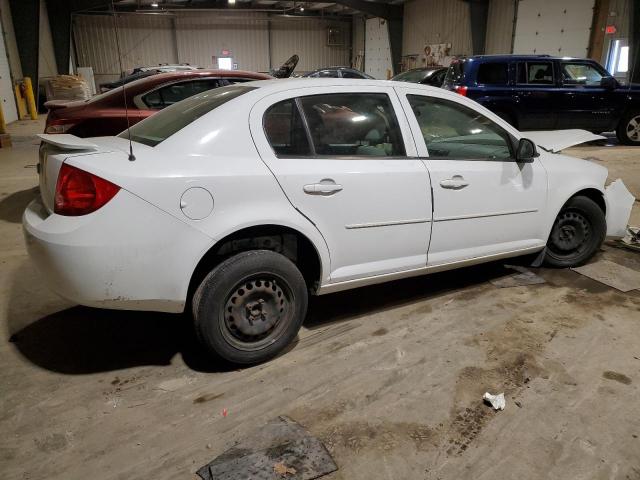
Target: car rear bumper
127,255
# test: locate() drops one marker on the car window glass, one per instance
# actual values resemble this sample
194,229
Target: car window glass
455,73
535,73
153,99
413,76
160,126
204,85
580,74
350,74
328,73
451,130
284,129
437,79
353,124
493,73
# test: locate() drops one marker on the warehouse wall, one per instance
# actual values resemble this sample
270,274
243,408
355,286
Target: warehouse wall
10,40
357,38
144,40
436,21
500,26
46,56
197,38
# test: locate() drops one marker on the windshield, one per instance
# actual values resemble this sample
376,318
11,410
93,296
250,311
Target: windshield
168,121
414,76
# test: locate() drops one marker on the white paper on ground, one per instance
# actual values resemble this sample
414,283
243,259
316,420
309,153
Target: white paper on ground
497,401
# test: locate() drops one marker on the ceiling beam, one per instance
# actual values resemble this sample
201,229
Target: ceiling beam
382,10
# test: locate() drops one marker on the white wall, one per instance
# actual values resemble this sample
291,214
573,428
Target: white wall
10,40
377,50
554,27
6,85
194,38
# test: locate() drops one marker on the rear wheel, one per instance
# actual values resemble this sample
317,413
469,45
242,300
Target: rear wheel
628,131
577,233
250,307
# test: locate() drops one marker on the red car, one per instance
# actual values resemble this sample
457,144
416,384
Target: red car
104,114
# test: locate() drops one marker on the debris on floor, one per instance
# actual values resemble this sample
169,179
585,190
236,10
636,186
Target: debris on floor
496,401
632,239
619,204
612,274
281,449
522,278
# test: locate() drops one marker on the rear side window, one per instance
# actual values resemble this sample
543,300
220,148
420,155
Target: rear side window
285,131
455,73
535,73
165,123
174,93
453,131
493,73
353,124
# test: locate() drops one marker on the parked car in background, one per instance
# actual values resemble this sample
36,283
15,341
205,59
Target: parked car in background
244,199
105,87
540,92
337,72
162,67
105,114
433,76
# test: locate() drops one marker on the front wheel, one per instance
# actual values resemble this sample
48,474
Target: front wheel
628,131
577,233
250,307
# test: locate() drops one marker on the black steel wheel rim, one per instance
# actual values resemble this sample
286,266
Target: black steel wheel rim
257,311
571,234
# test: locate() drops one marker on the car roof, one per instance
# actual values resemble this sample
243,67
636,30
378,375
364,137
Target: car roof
503,57
267,87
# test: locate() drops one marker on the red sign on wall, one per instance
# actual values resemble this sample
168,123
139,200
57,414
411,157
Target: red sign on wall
610,29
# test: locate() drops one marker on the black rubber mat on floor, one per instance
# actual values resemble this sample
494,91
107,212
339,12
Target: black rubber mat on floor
281,449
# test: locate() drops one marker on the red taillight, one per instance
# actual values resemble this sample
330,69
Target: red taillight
461,91
79,192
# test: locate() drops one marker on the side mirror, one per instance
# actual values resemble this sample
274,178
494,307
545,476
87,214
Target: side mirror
608,83
526,151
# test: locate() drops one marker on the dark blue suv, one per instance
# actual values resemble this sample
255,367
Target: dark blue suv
539,92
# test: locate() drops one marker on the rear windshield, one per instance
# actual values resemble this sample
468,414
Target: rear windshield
168,121
455,74
414,76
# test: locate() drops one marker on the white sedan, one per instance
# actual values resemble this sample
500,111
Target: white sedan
240,201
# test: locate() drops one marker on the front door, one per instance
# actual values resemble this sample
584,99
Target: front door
343,157
536,95
485,203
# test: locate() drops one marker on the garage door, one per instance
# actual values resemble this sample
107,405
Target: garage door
6,87
554,27
377,54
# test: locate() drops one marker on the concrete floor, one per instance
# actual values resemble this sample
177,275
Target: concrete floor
389,377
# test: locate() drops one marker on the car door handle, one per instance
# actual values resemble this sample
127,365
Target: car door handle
322,188
454,183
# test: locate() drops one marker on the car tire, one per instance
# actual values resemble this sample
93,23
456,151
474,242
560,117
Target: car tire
250,307
628,131
577,233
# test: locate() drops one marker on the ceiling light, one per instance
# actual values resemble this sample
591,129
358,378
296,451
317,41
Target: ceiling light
301,8
232,2
154,4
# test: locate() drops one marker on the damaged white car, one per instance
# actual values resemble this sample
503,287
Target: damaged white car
240,202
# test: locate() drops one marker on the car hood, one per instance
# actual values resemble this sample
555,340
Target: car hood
557,140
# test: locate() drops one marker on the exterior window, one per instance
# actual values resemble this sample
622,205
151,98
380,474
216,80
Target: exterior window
353,124
284,130
493,73
581,74
453,131
165,96
162,125
535,73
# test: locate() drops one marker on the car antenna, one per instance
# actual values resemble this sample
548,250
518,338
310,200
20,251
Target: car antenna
132,157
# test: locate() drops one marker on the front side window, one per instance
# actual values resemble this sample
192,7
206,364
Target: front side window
353,124
285,131
535,73
580,74
493,73
453,131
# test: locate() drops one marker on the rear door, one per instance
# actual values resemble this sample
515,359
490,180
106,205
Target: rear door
485,203
345,158
536,95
